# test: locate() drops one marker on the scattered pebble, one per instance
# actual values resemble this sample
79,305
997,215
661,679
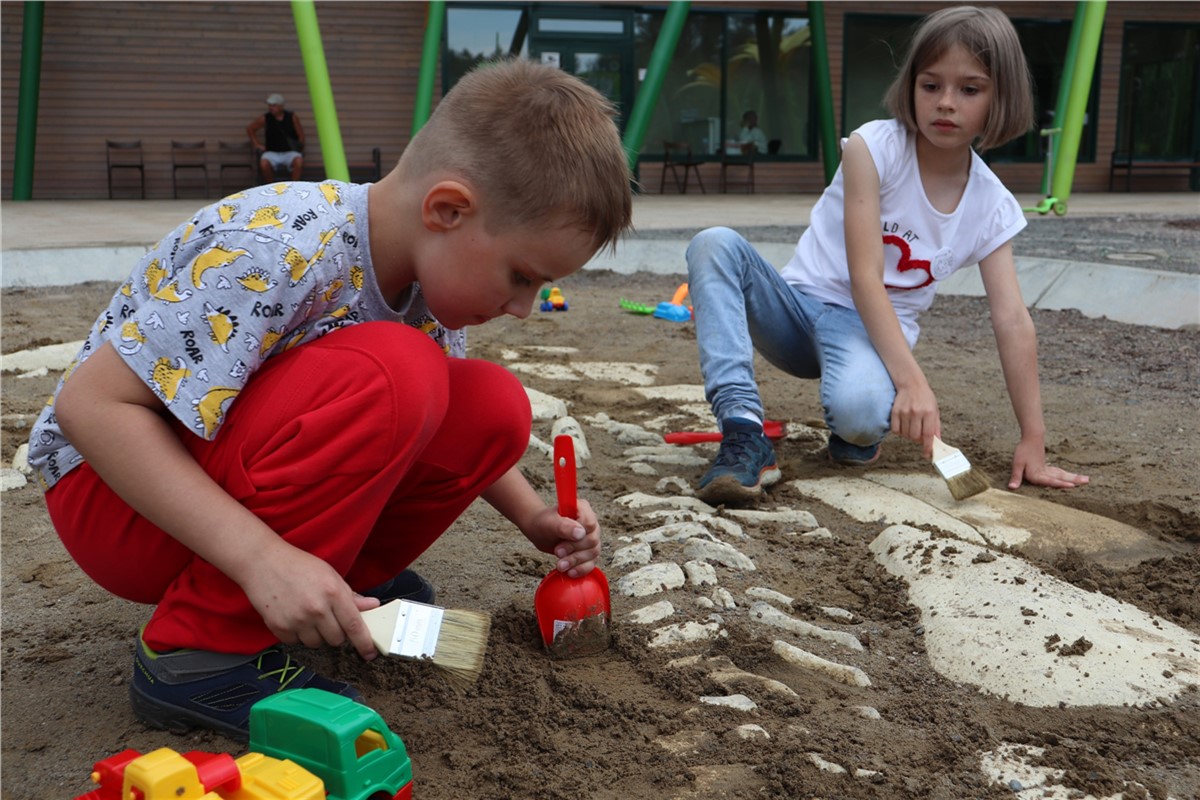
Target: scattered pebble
738,701
700,573
723,554
686,633
652,613
770,596
651,579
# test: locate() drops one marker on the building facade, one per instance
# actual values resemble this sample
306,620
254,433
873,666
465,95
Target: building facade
163,71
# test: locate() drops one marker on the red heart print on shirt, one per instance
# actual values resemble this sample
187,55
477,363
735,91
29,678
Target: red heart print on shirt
907,262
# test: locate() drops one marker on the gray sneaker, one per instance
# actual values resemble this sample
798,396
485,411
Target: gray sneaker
184,689
745,464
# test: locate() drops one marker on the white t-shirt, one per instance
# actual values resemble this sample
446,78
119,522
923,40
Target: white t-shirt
922,246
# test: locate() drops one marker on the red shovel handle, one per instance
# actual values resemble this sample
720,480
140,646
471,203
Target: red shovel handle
773,428
564,475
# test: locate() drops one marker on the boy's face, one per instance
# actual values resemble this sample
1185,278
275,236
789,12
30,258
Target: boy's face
474,275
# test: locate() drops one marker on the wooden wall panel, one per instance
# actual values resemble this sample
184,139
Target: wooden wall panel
200,70
163,70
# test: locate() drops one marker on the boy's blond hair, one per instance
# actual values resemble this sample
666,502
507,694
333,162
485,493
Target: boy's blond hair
539,144
989,36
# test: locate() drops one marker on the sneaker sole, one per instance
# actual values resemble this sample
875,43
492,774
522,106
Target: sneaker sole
165,716
727,490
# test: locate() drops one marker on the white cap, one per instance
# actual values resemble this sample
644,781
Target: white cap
275,99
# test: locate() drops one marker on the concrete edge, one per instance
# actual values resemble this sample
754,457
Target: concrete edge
1126,294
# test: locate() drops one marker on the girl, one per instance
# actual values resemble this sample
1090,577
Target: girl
911,203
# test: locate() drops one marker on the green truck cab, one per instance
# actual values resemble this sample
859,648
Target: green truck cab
346,744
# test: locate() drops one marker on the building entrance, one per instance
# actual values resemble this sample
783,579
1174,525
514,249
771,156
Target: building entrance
597,47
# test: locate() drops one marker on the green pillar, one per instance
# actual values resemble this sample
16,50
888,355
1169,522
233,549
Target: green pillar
27,101
434,21
1081,84
1064,90
656,72
319,90
829,147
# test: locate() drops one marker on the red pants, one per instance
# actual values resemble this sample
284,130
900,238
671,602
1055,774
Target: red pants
361,447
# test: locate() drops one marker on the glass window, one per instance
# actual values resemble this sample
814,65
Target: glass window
768,72
1158,107
725,65
872,51
1045,43
478,34
689,105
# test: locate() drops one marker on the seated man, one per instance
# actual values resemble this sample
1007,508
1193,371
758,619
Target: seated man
751,136
284,147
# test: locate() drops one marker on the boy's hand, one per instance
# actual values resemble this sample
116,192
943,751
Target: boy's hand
1029,464
303,600
574,542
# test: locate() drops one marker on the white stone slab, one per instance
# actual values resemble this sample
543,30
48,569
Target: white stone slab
1001,624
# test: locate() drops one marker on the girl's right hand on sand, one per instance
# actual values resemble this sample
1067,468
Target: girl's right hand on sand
303,600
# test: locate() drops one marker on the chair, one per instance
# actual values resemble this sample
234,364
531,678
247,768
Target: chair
185,156
733,161
676,156
773,146
125,155
236,157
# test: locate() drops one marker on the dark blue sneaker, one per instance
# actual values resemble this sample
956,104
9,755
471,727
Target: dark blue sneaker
408,585
184,689
852,455
745,464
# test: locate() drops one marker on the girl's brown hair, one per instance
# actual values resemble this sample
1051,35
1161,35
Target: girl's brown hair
988,35
540,145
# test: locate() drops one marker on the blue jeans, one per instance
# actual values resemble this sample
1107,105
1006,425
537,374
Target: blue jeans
741,304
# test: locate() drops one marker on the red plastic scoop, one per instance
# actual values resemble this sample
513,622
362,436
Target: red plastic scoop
573,613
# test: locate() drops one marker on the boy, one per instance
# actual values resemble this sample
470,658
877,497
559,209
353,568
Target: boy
248,439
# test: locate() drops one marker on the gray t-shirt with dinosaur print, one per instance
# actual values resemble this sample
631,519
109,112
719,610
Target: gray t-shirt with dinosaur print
246,278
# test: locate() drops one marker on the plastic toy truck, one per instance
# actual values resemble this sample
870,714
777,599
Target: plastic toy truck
553,300
305,744
345,743
195,775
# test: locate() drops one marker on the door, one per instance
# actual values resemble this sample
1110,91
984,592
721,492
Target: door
595,46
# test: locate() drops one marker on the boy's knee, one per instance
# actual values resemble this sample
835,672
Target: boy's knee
495,400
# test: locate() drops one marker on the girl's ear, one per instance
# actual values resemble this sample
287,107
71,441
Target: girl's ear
446,204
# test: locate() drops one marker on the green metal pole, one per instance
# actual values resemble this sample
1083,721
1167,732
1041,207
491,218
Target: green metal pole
434,21
319,90
27,100
1064,85
1081,84
656,72
829,148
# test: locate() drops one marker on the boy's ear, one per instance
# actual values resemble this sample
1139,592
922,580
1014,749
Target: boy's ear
446,204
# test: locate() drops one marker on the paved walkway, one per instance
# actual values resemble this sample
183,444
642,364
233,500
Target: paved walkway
47,243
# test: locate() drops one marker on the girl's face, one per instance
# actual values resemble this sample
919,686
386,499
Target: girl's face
952,98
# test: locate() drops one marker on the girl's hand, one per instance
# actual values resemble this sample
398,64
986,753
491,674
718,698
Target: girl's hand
303,600
915,416
574,542
1029,464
